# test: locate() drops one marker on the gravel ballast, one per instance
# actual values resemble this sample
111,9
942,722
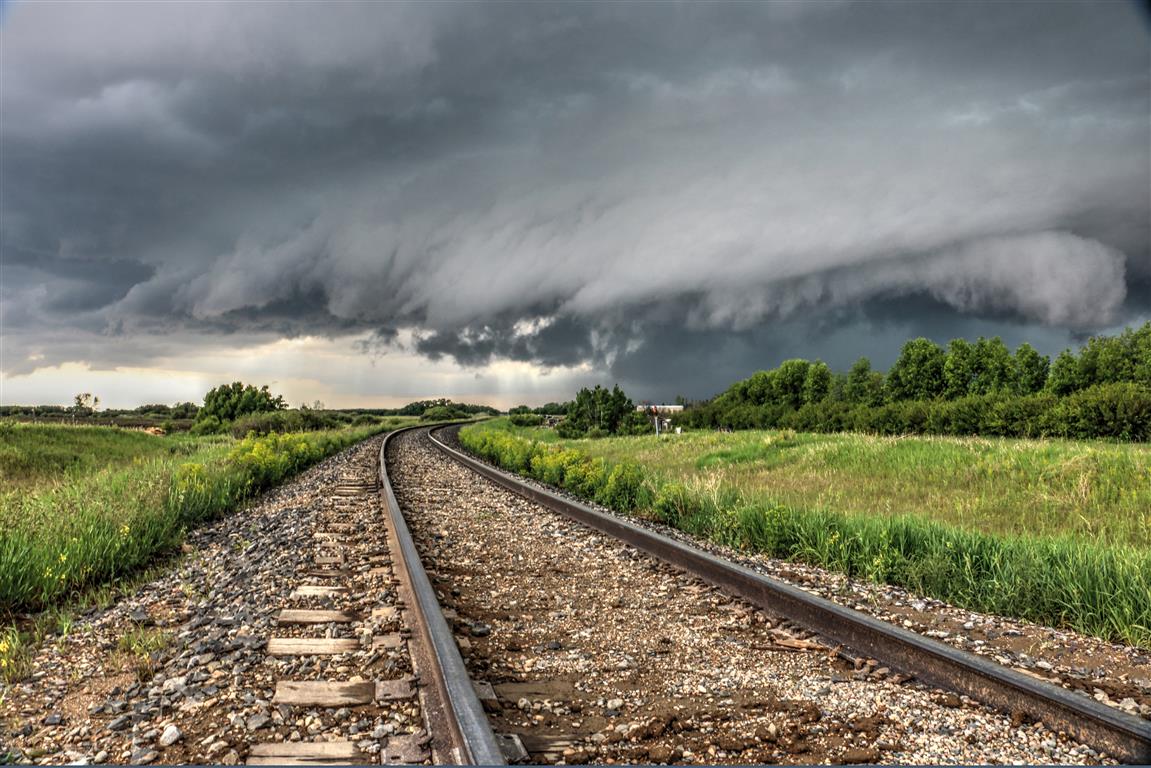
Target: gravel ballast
599,653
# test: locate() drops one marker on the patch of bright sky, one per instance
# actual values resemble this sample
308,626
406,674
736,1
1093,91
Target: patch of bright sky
302,370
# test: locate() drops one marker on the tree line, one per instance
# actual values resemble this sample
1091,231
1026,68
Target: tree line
981,387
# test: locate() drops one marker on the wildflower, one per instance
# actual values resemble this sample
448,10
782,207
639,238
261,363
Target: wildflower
125,530
63,557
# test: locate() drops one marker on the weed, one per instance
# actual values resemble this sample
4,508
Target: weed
144,646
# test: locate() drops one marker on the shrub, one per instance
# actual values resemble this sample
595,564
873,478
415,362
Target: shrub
526,420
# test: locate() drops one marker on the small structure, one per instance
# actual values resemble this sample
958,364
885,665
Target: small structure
660,415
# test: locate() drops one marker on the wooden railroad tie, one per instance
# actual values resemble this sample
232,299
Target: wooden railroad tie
317,590
322,693
313,616
308,753
311,646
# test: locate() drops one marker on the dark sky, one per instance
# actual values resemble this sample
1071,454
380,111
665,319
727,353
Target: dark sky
376,200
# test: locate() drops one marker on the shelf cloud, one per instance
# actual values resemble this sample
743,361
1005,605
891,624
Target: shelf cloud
605,185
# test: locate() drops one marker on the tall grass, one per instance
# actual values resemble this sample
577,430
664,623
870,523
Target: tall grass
61,538
38,454
1096,586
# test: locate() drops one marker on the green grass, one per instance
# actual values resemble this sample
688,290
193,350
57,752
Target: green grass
37,454
59,538
1052,531
1092,490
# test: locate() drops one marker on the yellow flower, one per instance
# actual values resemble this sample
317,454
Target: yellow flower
63,557
125,530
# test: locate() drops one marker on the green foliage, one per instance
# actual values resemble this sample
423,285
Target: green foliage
864,386
526,419
35,454
789,381
918,373
971,389
817,383
597,412
443,413
208,425
111,521
1031,370
228,402
303,420
1092,586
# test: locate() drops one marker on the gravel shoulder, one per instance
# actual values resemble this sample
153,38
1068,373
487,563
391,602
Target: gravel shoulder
599,653
179,671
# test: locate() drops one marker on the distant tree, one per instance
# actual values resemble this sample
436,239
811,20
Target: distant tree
228,402
441,413
185,411
84,404
817,383
761,387
788,382
959,369
918,373
1064,376
994,368
864,386
1030,370
598,409
1141,346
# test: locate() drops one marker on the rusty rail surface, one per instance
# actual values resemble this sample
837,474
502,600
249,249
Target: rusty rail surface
1123,736
459,729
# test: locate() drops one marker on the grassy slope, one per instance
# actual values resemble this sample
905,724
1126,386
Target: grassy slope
1095,490
122,501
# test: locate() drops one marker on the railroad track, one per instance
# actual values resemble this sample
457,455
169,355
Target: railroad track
462,733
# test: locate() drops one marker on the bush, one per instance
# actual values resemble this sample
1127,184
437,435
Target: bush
284,421
526,420
625,489
209,425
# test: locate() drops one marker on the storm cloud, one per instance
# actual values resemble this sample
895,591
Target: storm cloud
623,186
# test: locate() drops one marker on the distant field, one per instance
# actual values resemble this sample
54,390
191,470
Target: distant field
36,454
1052,531
1095,490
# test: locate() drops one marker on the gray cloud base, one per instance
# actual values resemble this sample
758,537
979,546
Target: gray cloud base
568,183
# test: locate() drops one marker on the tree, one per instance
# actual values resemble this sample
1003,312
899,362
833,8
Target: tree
788,382
1030,370
918,373
994,368
599,408
84,404
1064,377
761,387
959,369
228,402
1141,344
185,411
817,383
864,386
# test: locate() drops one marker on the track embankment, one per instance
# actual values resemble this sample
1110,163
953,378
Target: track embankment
596,652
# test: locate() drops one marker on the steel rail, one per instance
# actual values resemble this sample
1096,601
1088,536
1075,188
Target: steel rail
458,727
1123,736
